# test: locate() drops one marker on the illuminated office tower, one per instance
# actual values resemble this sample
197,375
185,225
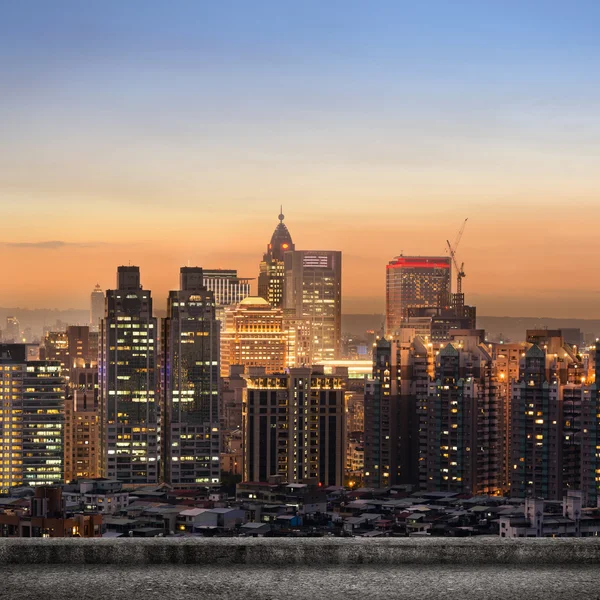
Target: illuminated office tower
313,291
128,383
96,308
82,441
415,282
254,336
190,372
299,346
228,288
272,273
82,417
294,426
32,400
56,348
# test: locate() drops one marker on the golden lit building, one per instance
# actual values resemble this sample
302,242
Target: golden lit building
82,440
254,336
32,396
272,272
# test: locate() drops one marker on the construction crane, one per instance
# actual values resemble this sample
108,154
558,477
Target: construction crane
460,273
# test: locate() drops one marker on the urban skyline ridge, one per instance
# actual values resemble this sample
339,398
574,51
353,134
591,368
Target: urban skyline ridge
159,274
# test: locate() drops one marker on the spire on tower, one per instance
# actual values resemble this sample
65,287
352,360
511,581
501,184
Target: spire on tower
281,215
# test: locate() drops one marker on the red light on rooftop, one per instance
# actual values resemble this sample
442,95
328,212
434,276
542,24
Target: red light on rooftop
402,262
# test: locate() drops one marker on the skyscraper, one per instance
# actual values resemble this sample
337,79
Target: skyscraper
190,372
12,331
555,427
294,426
272,274
461,422
227,287
128,381
415,282
401,374
31,419
254,336
313,292
96,308
82,448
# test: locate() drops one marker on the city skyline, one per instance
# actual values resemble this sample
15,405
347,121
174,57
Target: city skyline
164,136
161,269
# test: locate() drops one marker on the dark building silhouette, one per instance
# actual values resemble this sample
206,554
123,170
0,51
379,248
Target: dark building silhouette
190,390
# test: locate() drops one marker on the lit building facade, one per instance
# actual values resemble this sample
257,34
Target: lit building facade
254,336
129,383
415,282
190,373
227,287
56,348
32,400
82,418
96,307
294,426
272,272
82,440
313,292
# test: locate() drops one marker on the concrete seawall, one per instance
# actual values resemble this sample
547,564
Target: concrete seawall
303,551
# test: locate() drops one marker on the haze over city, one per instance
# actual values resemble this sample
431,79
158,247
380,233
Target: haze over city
169,135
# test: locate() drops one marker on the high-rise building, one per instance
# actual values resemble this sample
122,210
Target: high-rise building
294,426
415,282
96,308
32,400
129,383
299,346
56,348
438,324
400,377
507,359
461,419
555,427
254,336
228,288
82,440
190,372
313,292
82,419
12,331
272,273
82,346
232,393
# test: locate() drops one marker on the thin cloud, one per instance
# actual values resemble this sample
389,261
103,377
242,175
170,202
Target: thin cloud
51,245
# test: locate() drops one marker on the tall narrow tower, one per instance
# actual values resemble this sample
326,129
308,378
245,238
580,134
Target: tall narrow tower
272,271
190,372
96,308
128,382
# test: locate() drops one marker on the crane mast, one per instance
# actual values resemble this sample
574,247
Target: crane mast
460,272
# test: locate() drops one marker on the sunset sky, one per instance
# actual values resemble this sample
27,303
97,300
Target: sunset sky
157,133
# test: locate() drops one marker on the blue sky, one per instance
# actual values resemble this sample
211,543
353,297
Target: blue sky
387,114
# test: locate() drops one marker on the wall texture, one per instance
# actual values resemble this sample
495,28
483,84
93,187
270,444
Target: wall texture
287,552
